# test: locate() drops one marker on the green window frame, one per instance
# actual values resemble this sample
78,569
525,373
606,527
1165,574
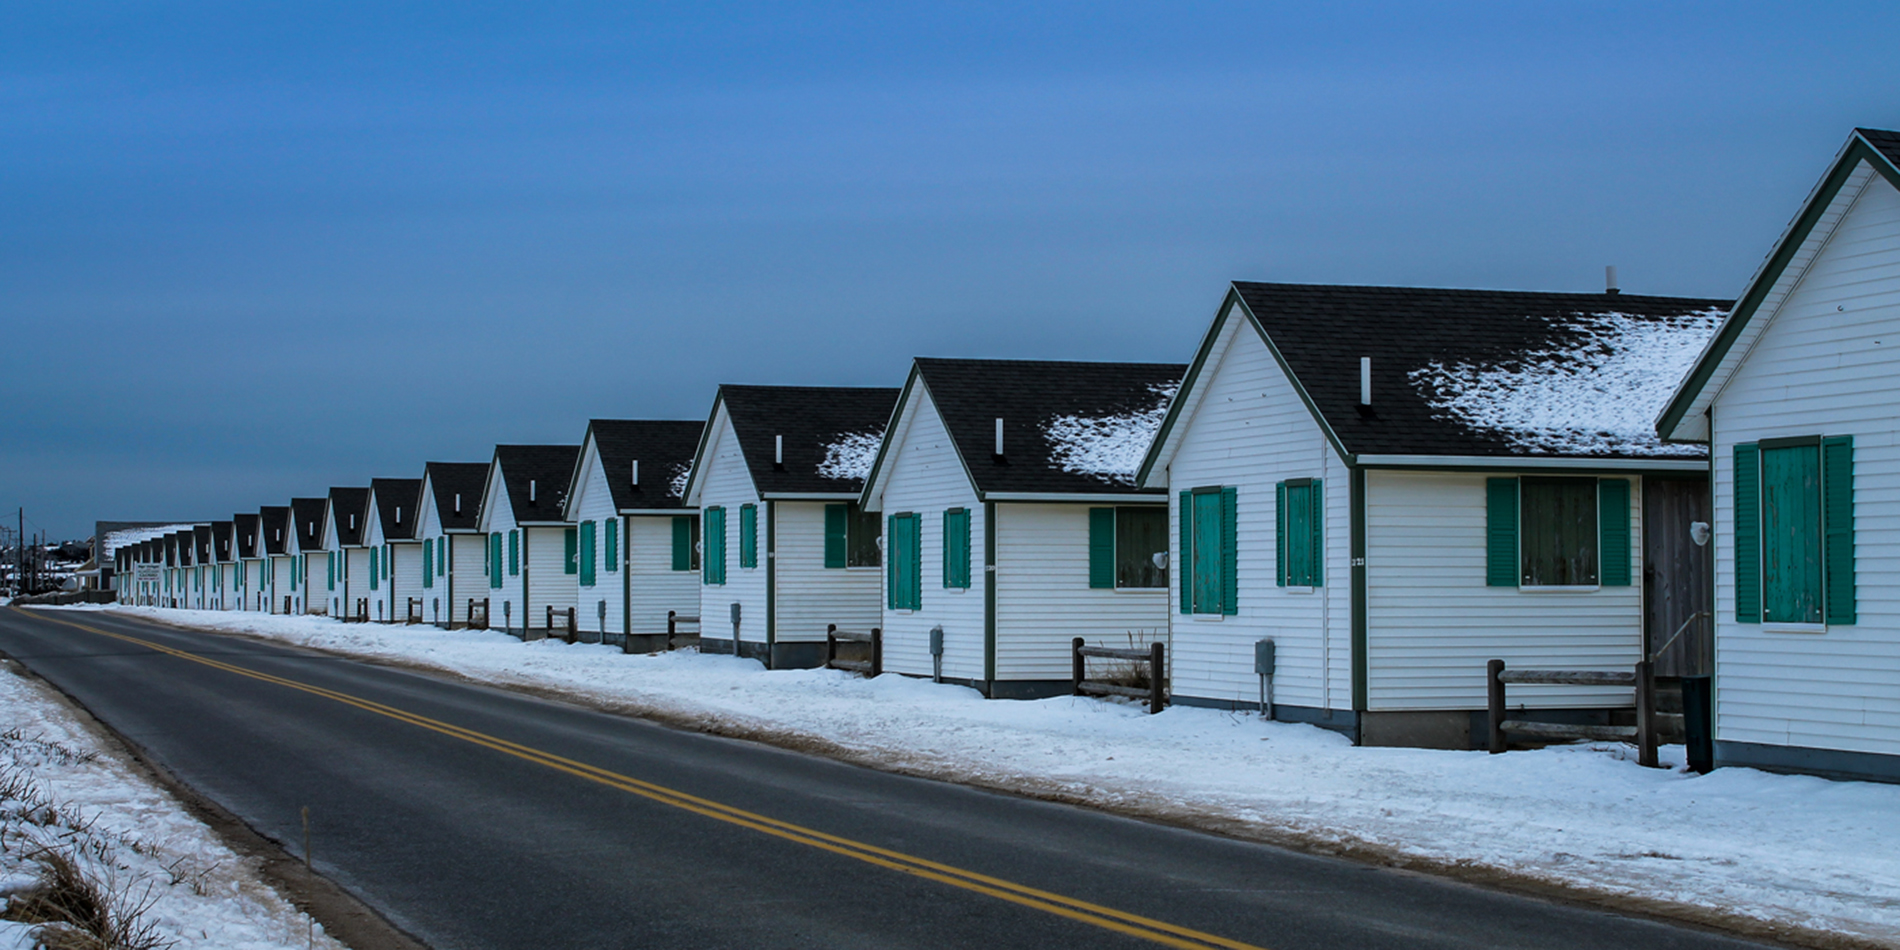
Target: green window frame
748,536
570,540
1124,542
713,563
1793,508
956,549
1210,549
587,559
685,542
514,552
613,544
851,536
1300,532
1558,532
903,575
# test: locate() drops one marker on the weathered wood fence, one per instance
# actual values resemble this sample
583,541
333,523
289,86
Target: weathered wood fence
478,613
1156,656
1641,681
875,637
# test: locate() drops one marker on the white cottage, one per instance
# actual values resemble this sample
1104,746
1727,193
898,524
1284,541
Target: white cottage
313,577
634,531
785,549
253,567
1796,398
395,556
454,549
224,567
1396,485
345,520
1041,457
533,571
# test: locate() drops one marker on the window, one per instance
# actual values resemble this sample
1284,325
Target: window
1300,532
587,565
904,577
713,569
1209,578
685,543
1123,543
748,535
956,548
1794,531
851,536
613,545
571,541
1557,532
514,552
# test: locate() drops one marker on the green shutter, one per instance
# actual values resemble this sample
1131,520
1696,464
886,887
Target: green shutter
748,536
1280,571
442,556
713,565
1500,532
428,563
1229,554
571,539
837,525
613,544
375,577
514,552
1183,565
494,561
1747,517
1613,531
587,563
330,564
956,548
1316,571
682,542
916,562
1102,548
891,580
1837,514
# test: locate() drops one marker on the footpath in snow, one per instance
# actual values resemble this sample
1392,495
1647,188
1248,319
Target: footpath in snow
166,876
1782,850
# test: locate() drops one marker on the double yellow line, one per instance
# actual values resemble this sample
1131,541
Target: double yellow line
1108,918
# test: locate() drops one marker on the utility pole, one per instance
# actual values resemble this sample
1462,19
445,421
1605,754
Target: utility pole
19,547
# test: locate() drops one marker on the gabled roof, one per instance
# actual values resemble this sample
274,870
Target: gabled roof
549,467
826,430
663,447
181,548
347,507
221,546
201,544
271,522
1869,153
446,480
308,521
1499,374
244,528
396,496
1068,427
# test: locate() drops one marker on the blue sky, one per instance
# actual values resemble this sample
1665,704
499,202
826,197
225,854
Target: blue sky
250,251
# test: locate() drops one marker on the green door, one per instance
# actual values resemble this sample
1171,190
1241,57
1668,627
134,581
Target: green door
1207,552
1791,534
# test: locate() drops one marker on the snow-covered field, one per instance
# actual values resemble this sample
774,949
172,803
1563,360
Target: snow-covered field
1785,850
67,790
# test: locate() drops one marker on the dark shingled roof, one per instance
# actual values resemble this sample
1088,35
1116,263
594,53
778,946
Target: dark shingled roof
449,479
810,418
271,522
347,505
550,467
181,548
393,496
309,522
1028,395
1885,142
664,448
201,546
244,526
221,540
1322,331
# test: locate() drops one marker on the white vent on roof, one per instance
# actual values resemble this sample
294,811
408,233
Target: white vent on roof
634,475
1609,280
999,435
352,522
530,491
399,514
1365,380
778,450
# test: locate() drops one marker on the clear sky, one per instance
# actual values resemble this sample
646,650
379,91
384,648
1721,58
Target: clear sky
252,250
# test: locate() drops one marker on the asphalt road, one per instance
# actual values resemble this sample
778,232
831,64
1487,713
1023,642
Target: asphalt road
475,817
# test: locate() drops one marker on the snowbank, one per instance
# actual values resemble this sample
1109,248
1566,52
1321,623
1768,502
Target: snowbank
79,794
1783,849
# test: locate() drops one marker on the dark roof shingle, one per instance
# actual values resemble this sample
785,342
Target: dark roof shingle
449,481
663,447
813,419
271,522
548,467
396,497
347,507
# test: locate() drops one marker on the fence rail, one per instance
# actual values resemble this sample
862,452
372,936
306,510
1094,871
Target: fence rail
478,608
1156,656
1641,681
875,637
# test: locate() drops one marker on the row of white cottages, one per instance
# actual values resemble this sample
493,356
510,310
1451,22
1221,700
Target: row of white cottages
1393,485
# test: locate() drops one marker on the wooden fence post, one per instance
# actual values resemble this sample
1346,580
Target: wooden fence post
1645,714
1494,702
877,651
1078,667
1157,662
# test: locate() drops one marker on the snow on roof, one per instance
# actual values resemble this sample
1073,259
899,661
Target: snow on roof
849,456
1597,394
1108,447
676,487
124,536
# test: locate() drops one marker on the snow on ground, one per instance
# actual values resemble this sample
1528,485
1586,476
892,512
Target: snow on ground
1108,447
850,455
129,832
1599,395
1785,849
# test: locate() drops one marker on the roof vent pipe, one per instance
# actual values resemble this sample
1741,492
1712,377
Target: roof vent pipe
399,514
458,502
636,473
530,491
1609,280
999,435
778,450
1365,380
352,524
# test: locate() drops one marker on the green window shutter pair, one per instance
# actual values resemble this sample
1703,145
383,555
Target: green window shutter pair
514,553
613,545
956,548
586,542
682,542
713,565
1503,518
1101,548
904,566
748,535
494,561
571,540
837,534
1794,531
428,564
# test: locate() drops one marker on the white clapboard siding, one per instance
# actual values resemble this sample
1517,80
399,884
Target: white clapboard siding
1432,624
653,586
281,567
810,595
356,577
593,501
927,477
405,562
1043,598
1251,430
549,584
468,572
1827,364
728,484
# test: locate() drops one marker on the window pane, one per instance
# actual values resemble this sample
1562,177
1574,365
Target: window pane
865,528
1791,534
1558,533
1140,534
